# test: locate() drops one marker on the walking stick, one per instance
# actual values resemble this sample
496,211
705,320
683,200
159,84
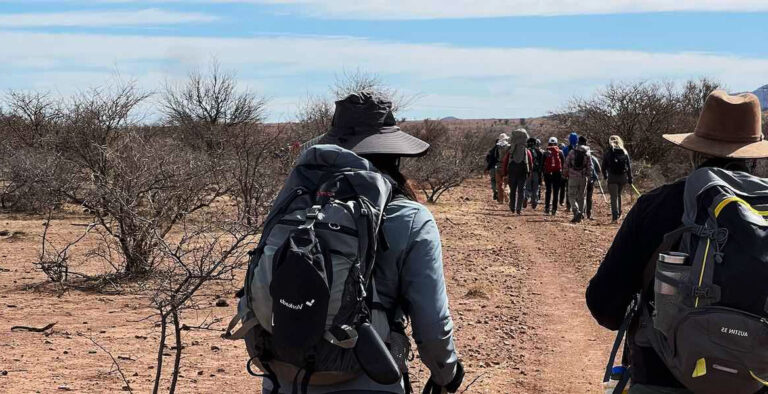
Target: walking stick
636,191
601,190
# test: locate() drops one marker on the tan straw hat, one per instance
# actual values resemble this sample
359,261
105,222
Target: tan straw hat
729,126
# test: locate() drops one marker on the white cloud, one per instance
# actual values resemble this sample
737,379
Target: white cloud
427,9
145,17
432,9
481,81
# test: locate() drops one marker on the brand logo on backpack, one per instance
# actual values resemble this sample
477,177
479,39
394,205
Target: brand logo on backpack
297,307
733,331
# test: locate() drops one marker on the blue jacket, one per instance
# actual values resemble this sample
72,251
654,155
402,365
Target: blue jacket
411,270
573,140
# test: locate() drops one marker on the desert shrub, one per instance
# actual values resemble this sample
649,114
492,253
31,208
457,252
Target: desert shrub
453,157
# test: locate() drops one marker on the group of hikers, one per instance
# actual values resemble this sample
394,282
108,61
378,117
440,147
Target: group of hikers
569,173
349,259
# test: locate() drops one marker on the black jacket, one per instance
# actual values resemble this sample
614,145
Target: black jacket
619,277
492,158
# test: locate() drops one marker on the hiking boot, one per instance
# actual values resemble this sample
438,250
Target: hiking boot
575,219
546,211
525,203
519,213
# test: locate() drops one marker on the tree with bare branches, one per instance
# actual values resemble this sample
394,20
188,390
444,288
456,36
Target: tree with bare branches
453,157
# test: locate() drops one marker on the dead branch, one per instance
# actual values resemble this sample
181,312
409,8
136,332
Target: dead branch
33,329
115,363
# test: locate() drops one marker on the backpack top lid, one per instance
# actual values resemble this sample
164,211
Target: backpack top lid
323,159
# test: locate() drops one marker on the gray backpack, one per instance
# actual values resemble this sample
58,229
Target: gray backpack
309,293
708,320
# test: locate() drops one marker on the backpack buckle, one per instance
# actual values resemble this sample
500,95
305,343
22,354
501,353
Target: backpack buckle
701,292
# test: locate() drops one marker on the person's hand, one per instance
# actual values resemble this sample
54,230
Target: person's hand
453,386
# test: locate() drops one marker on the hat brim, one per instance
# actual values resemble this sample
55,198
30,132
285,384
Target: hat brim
389,141
733,150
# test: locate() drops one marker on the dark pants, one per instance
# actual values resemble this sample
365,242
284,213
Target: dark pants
518,173
615,190
590,192
552,184
532,189
492,172
563,190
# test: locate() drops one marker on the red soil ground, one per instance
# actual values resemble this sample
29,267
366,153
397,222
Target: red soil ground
516,285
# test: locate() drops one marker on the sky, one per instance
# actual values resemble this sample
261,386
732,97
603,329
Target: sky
461,58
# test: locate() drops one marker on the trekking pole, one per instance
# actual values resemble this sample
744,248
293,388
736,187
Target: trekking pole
601,190
636,191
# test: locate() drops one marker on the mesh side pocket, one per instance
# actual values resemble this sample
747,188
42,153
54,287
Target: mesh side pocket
668,297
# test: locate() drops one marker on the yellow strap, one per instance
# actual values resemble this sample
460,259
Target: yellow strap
729,200
703,267
763,382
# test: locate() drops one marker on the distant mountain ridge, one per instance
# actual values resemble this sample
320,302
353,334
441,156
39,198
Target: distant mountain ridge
762,94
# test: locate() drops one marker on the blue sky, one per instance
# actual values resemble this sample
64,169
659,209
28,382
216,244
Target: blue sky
470,59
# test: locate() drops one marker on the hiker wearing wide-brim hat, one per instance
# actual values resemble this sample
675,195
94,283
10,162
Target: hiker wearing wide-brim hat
366,125
727,136
729,127
408,274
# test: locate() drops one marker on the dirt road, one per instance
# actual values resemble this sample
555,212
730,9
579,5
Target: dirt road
516,285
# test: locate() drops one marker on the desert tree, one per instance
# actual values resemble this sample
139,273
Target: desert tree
639,112
207,103
453,157
211,113
134,180
30,169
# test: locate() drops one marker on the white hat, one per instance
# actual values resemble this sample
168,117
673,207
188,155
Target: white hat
502,143
503,136
553,140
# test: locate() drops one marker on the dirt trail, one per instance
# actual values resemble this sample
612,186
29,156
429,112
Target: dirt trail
553,344
516,285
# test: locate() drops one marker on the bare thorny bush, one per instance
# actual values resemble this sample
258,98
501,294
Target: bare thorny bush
209,249
454,156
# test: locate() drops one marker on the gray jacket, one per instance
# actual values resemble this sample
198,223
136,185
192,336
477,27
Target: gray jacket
410,275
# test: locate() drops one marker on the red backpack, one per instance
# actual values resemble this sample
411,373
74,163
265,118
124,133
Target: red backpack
553,162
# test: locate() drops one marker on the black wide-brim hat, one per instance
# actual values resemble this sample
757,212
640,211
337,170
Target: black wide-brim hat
365,125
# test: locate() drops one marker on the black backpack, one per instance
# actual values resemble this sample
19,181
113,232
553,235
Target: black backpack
309,293
708,316
579,160
538,159
492,158
618,163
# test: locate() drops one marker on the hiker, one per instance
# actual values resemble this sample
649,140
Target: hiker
727,265
553,174
573,140
594,178
493,167
533,183
578,170
518,163
617,170
360,154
